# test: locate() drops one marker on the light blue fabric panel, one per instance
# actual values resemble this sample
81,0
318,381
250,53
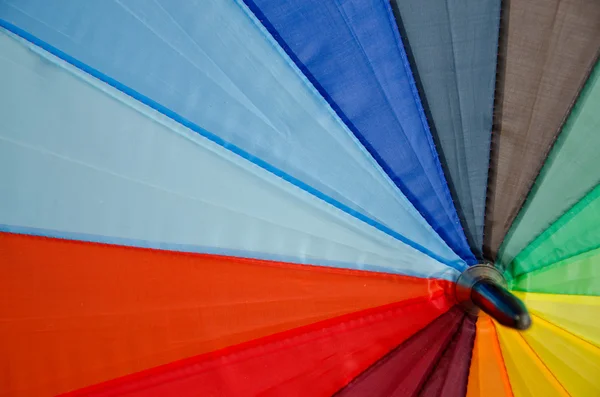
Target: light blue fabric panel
80,159
211,66
454,48
352,52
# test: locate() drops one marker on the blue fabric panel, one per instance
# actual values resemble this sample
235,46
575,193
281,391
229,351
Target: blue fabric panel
352,53
82,160
211,66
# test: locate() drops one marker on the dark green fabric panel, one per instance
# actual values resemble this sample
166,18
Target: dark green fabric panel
574,233
571,170
579,275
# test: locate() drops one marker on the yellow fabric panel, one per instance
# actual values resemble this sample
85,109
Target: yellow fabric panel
574,362
577,314
528,375
487,376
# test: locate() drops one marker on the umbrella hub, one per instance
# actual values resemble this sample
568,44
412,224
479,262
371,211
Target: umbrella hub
483,287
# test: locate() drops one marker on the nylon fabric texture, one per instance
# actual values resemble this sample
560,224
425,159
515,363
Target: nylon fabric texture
123,310
352,53
453,46
569,173
576,314
405,370
187,59
315,360
548,49
245,198
450,375
573,361
487,374
529,376
575,233
142,179
578,275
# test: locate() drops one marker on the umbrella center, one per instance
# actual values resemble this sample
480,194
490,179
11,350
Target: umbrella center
483,288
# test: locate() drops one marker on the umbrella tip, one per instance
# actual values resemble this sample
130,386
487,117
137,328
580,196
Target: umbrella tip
482,287
500,304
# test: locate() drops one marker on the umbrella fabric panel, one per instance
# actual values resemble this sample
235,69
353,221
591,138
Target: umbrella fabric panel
405,370
576,232
454,48
352,53
550,48
315,360
578,275
91,163
573,361
211,66
107,311
575,314
571,171
528,374
487,374
450,375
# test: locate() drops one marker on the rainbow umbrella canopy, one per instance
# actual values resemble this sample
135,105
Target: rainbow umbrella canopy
300,198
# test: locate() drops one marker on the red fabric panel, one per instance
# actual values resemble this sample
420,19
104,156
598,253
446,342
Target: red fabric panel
451,374
315,360
74,314
404,371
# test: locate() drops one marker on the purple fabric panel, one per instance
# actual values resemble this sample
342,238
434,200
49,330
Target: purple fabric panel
404,371
451,374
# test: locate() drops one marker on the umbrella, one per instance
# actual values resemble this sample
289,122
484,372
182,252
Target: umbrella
299,198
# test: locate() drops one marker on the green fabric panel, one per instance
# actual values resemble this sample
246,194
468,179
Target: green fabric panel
574,233
579,275
571,170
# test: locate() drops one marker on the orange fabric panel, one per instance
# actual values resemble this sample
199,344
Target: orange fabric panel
487,376
73,313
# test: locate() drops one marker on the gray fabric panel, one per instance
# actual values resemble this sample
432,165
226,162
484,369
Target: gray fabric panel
453,45
548,50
